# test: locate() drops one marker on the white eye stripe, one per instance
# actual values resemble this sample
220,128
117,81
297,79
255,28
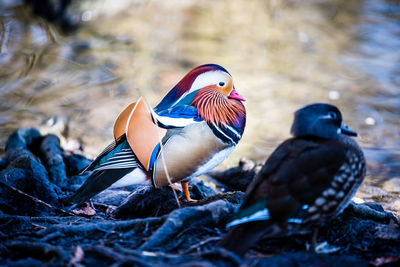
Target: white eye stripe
205,79
209,77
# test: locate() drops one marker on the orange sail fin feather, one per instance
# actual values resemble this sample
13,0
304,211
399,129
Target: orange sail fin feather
120,123
143,139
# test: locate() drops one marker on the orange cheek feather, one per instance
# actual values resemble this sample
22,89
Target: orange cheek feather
214,107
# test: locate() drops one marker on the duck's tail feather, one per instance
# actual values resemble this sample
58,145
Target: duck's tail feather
97,182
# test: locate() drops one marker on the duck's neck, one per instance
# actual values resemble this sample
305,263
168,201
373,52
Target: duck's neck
226,117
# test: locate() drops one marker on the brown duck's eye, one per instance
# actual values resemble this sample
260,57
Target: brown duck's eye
221,84
332,115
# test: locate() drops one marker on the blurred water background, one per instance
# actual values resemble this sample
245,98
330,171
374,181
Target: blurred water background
282,55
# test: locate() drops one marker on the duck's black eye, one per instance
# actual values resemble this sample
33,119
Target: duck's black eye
332,115
221,84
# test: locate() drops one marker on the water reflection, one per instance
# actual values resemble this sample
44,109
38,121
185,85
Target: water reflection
282,55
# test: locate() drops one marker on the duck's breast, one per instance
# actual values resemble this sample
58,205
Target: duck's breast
189,152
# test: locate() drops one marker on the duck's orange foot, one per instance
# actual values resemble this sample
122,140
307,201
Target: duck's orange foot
185,193
184,199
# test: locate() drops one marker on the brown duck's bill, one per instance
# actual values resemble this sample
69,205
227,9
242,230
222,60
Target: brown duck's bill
345,130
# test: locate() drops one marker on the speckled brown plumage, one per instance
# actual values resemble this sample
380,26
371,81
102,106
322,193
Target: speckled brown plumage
323,174
306,181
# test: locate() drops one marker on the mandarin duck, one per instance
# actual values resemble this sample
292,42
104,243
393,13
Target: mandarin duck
199,122
306,181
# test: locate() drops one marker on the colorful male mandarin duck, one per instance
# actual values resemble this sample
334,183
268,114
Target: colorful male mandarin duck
306,181
199,122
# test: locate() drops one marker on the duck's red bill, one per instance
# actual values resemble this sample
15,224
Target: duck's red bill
235,95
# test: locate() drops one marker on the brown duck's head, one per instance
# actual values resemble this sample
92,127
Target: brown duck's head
320,120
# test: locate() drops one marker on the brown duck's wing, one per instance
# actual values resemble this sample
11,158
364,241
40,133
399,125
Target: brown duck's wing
301,182
297,173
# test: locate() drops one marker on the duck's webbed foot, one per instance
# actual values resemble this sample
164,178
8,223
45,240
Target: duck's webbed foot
185,197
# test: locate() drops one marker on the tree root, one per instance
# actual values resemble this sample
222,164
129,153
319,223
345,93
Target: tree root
371,211
148,228
114,258
38,250
51,154
36,200
88,228
210,214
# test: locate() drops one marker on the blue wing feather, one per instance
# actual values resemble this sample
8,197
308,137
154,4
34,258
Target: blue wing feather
177,116
182,111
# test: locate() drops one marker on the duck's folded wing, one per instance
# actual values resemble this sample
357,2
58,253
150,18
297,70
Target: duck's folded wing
145,128
176,117
293,177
